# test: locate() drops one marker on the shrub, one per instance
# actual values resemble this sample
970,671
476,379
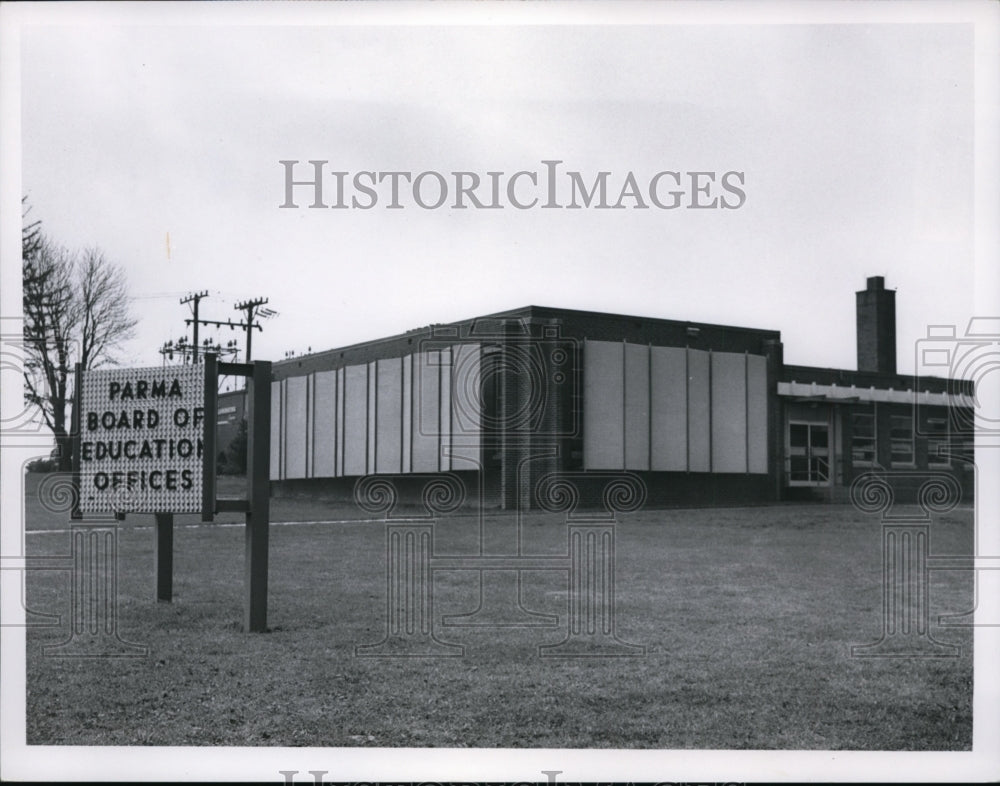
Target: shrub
50,464
233,460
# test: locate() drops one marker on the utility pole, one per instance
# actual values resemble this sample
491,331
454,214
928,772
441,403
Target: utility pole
253,311
249,306
195,299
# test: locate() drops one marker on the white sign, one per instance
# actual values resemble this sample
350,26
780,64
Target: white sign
141,440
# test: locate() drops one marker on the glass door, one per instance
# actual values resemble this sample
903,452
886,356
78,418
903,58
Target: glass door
808,454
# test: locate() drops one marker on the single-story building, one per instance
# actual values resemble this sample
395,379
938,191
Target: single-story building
703,413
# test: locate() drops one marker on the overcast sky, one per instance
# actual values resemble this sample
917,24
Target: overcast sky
160,144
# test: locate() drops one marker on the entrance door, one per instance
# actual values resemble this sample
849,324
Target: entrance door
808,454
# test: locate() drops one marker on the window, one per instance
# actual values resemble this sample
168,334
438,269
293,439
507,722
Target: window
901,439
863,439
937,442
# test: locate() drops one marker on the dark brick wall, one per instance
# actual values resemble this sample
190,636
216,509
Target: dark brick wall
410,488
663,489
904,479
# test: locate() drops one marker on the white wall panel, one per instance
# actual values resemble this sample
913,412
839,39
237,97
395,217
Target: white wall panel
310,423
603,405
729,416
757,413
355,420
466,406
467,377
277,432
698,411
324,424
444,446
340,408
370,454
389,416
407,457
668,409
426,410
296,423
636,407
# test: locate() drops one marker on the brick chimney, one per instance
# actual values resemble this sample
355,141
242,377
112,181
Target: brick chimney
877,327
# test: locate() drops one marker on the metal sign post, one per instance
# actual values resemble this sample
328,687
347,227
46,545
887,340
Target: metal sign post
257,505
164,557
259,514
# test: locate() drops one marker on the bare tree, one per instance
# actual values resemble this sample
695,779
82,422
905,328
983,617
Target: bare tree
105,319
75,311
31,233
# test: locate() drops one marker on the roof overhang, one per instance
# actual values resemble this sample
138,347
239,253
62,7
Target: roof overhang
841,394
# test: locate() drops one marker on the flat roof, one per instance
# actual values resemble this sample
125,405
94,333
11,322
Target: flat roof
580,322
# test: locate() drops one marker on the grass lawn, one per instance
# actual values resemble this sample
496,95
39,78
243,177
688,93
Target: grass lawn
747,616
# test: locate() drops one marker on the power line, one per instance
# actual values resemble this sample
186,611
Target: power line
155,295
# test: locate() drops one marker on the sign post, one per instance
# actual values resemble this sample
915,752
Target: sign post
164,557
212,407
145,443
259,513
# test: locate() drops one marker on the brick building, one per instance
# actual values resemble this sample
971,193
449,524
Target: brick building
704,414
